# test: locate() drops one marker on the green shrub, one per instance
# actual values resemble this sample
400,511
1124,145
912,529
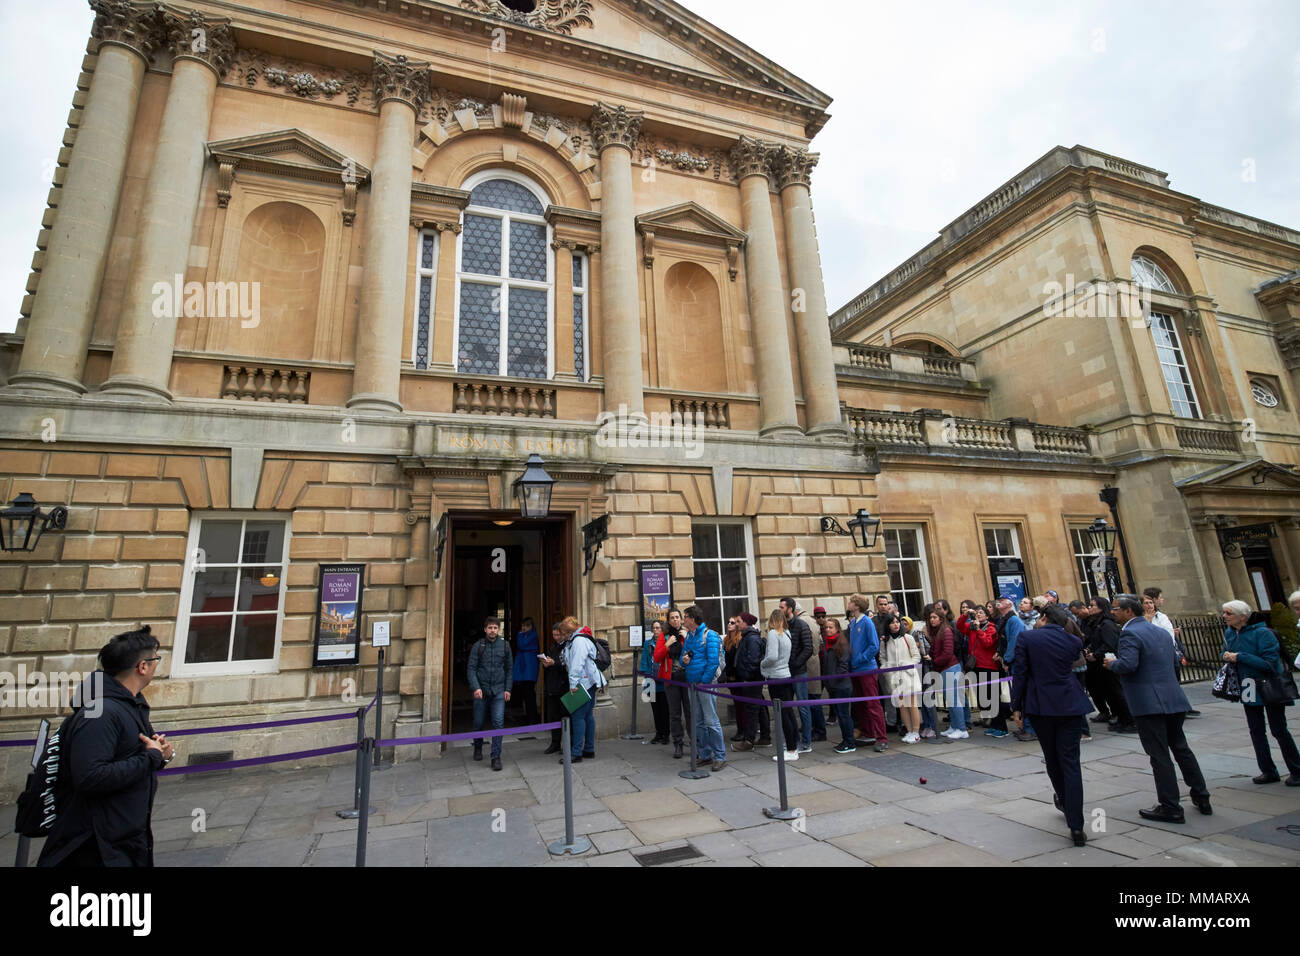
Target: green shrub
1283,622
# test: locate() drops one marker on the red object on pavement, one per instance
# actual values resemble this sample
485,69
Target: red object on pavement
923,780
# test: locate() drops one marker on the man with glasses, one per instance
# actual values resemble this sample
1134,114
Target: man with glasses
111,757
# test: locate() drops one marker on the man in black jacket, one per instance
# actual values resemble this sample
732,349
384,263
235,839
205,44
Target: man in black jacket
801,648
112,755
1103,636
491,678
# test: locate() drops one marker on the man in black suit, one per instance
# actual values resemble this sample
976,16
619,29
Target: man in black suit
1147,663
1045,690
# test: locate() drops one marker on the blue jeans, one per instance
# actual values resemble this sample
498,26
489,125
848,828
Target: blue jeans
954,692
844,712
805,716
498,707
582,724
709,743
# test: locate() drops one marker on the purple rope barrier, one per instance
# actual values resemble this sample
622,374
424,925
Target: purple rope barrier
469,735
254,761
815,701
17,743
806,679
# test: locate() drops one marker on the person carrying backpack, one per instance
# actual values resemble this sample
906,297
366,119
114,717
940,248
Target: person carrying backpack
110,756
580,662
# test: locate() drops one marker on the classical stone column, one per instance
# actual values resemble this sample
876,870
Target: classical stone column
1219,584
63,312
1289,528
1239,579
146,329
615,130
793,169
751,159
444,318
401,86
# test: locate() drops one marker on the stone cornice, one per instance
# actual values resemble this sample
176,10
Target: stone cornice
400,78
752,157
615,126
793,167
124,23
193,36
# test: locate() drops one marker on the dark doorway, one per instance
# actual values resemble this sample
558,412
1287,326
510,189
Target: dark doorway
504,566
1265,582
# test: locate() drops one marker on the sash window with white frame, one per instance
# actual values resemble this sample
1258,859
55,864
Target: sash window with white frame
909,580
232,599
504,280
1173,366
723,570
580,273
1084,555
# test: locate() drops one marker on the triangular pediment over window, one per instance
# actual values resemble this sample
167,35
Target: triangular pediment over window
289,152
690,220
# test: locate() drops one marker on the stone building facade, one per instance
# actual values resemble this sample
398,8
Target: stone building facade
1086,325
318,277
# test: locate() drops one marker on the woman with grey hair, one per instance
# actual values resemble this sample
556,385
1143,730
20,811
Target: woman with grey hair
1253,648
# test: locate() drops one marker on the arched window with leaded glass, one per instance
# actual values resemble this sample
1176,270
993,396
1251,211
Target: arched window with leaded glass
504,277
1174,367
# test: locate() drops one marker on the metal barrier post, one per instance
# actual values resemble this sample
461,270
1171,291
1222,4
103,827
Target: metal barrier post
570,844
363,823
636,692
24,851
784,811
355,810
379,708
692,735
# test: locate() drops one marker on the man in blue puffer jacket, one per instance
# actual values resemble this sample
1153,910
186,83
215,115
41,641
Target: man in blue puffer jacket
700,657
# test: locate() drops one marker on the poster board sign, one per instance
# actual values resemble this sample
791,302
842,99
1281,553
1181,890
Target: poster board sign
654,581
1009,578
337,640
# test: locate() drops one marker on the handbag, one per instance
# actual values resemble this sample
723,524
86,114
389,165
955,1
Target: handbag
1277,688
1227,685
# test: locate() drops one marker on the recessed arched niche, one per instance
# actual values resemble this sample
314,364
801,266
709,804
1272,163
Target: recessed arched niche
693,317
282,252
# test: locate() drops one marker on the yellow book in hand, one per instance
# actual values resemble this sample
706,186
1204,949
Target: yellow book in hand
575,699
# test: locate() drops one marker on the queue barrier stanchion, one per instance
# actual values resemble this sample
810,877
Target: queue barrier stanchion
379,709
784,811
363,823
571,843
23,852
355,810
636,692
694,773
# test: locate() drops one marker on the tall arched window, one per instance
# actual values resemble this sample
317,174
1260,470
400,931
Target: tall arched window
503,280
1174,367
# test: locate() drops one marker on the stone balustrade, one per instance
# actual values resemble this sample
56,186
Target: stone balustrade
492,398
932,430
710,414
872,359
263,383
1214,440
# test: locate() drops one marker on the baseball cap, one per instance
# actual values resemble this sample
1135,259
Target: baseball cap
819,610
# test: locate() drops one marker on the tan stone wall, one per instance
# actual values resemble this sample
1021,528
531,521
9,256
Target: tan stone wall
121,560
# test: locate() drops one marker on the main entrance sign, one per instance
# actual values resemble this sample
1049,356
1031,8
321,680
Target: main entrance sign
466,442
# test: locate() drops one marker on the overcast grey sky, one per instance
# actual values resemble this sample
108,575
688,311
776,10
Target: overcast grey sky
936,104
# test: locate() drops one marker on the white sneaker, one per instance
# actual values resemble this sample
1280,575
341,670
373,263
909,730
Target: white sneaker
912,738
805,749
947,733
959,735
789,755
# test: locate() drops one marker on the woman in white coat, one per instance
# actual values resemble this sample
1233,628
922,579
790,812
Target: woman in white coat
899,649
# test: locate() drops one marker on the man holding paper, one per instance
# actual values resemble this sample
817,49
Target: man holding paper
584,677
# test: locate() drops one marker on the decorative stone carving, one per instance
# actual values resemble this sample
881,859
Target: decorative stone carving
793,166
557,16
1192,322
682,160
193,36
256,70
349,202
512,110
575,245
132,25
615,126
399,77
442,225
752,157
225,177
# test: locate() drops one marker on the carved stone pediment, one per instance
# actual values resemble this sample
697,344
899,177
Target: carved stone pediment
557,16
692,222
290,153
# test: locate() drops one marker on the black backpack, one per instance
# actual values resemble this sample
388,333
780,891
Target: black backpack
603,659
48,790
961,650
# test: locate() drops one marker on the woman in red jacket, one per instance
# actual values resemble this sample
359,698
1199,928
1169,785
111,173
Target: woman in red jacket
983,636
939,633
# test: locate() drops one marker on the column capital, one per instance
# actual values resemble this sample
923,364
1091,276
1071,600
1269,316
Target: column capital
192,36
793,167
752,157
615,126
125,23
400,78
